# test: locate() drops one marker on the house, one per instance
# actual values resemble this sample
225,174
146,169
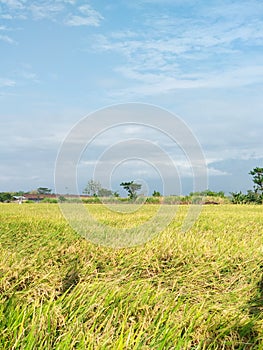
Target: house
36,197
19,199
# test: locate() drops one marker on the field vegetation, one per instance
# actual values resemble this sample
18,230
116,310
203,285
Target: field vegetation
202,289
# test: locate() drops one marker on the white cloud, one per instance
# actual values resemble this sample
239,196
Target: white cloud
81,21
235,10
6,16
7,39
7,82
28,75
176,53
13,4
88,17
149,84
71,2
216,172
60,10
46,10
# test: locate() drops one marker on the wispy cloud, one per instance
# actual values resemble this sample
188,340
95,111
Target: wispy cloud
87,17
4,37
7,39
65,11
45,10
4,82
71,2
172,52
28,75
13,4
6,16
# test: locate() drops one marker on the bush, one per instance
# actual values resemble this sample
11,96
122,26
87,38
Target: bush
49,200
250,198
153,200
91,200
209,193
156,194
171,200
5,197
62,199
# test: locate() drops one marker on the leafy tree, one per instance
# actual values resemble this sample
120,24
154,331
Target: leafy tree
238,197
257,176
43,190
208,193
92,188
132,188
19,193
49,200
5,197
104,192
33,192
254,197
156,194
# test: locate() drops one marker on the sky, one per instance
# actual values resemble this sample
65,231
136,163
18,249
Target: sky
63,60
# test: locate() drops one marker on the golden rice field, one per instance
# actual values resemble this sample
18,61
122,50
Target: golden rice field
202,289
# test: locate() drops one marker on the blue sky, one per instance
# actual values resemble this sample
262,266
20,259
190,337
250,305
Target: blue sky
61,60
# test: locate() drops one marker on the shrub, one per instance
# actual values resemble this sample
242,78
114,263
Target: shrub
153,200
49,200
171,200
91,200
5,197
250,198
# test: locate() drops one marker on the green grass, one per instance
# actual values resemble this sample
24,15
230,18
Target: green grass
202,289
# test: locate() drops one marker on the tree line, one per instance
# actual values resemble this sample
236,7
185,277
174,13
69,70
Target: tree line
95,190
252,196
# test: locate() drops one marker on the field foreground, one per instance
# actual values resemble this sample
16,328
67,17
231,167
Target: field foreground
202,289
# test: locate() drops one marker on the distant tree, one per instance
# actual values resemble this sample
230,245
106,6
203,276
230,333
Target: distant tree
221,194
33,192
238,197
208,193
132,188
251,197
43,190
116,194
104,192
254,197
5,197
92,188
19,193
257,177
156,194
62,199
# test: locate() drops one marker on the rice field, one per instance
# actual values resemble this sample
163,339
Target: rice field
202,289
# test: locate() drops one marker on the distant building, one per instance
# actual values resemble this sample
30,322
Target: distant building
19,199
